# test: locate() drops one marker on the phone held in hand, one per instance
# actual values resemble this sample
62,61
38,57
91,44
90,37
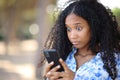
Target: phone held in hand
52,55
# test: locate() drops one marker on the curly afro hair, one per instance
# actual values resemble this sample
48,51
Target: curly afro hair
104,31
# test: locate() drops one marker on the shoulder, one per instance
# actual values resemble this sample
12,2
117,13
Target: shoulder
117,56
92,70
92,73
118,64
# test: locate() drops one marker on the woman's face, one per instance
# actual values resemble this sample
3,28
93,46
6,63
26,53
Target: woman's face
78,31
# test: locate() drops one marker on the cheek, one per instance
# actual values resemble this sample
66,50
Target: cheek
85,35
68,34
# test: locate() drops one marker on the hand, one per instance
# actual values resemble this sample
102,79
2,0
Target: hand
54,75
48,69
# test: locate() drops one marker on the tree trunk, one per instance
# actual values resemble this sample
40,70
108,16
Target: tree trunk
42,21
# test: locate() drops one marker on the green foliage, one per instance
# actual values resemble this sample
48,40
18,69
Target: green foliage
15,14
116,12
1,37
1,34
23,33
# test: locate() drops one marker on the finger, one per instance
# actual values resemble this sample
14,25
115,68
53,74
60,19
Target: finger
53,75
62,74
53,78
63,64
55,68
47,68
60,79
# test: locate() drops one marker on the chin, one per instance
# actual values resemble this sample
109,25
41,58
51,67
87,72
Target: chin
79,46
76,46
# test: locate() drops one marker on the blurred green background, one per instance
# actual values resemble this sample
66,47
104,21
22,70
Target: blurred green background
24,26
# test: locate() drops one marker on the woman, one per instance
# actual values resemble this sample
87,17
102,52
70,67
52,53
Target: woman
87,37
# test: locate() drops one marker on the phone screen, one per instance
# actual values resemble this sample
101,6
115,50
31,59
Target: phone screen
52,55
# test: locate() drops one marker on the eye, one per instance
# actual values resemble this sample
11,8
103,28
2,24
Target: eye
78,28
68,29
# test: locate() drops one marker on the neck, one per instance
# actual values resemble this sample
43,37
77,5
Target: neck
84,53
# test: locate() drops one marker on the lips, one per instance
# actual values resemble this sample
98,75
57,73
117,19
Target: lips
75,43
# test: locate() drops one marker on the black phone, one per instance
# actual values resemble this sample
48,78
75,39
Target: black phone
52,55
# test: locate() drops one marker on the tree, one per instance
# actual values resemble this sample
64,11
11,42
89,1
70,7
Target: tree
44,27
15,14
116,12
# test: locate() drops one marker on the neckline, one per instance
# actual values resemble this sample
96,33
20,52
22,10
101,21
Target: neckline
96,57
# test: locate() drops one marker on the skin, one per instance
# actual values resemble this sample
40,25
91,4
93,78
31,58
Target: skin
54,75
79,34
78,31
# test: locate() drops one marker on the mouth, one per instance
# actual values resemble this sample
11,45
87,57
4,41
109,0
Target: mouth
75,43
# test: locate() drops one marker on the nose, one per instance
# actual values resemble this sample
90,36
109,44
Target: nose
73,34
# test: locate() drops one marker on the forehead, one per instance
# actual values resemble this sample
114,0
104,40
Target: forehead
72,19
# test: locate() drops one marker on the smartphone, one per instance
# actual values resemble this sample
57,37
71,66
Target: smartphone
52,55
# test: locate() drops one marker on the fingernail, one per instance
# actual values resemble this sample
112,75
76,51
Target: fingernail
52,62
61,59
58,66
48,73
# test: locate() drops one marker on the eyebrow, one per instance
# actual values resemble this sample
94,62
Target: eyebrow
73,24
77,23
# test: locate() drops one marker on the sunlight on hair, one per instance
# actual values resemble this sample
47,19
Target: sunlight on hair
61,3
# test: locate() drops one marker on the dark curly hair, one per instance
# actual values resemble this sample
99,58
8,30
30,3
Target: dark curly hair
104,31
